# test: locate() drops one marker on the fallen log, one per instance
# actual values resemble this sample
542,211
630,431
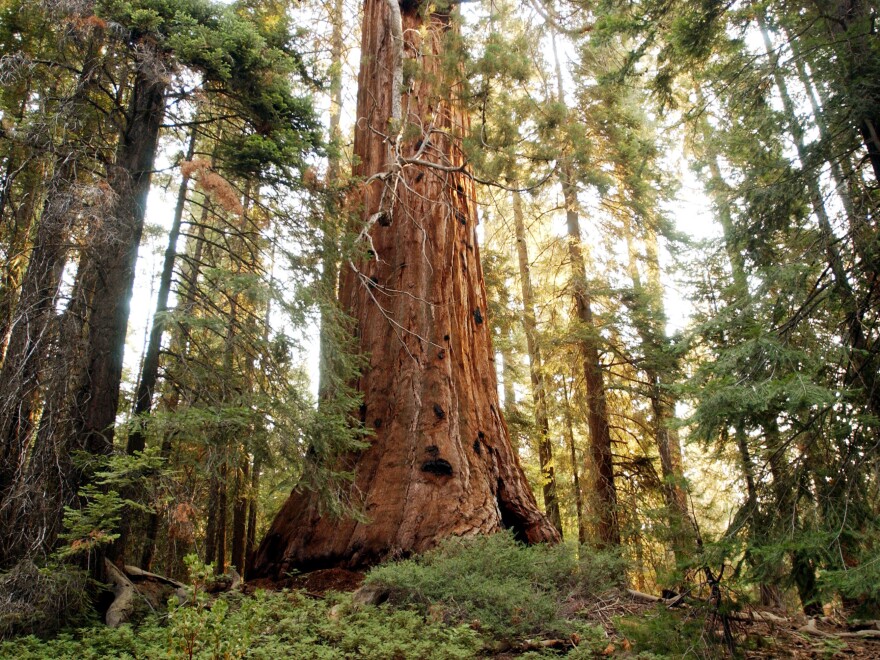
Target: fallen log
674,601
811,629
648,598
124,591
134,571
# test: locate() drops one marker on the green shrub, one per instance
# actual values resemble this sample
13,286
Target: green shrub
666,634
266,625
498,586
466,598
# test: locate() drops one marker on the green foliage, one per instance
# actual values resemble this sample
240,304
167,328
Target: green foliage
94,522
267,625
504,589
662,633
466,598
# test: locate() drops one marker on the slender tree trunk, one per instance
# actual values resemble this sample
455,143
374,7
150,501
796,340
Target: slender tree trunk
649,318
214,521
841,169
536,364
603,486
748,511
185,306
575,472
330,249
150,370
440,461
239,515
253,506
508,375
222,516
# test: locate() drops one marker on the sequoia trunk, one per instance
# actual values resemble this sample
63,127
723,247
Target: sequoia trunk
440,462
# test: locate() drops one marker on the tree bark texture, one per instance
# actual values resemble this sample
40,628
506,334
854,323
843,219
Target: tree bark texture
113,255
239,514
440,462
82,402
31,333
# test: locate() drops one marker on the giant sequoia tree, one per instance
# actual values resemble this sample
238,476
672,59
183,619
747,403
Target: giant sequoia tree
439,461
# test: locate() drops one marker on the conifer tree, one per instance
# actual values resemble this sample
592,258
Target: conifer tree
440,461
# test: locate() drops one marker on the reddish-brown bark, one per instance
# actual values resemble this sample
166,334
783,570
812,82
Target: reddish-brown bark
440,461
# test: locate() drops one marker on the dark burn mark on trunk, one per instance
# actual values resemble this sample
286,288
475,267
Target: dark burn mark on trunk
461,217
477,448
432,450
438,410
441,353
438,466
420,176
445,337
363,412
510,518
478,316
410,7
384,219
378,423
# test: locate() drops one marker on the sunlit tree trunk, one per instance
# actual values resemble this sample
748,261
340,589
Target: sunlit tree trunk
439,462
333,217
536,363
575,464
649,318
604,491
603,486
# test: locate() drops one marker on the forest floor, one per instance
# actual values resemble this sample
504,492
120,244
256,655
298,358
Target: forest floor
488,597
784,635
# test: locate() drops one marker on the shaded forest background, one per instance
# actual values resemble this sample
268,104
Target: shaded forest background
678,210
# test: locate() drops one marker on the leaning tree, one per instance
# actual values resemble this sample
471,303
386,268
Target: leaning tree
439,461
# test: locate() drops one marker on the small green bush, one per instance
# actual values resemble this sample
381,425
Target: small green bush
500,587
666,634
